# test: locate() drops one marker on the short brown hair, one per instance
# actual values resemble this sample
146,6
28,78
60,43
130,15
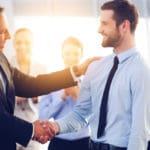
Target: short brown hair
123,10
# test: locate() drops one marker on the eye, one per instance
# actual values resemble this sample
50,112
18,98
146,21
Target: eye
2,33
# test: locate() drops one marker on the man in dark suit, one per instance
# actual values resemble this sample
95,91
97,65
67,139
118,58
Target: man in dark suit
14,83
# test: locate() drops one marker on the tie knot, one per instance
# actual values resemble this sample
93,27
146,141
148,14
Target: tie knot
116,61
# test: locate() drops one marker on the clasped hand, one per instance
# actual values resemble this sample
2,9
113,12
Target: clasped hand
44,131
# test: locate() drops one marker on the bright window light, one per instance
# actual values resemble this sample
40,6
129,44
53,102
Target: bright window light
49,33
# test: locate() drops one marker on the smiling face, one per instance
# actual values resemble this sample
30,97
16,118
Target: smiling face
108,29
23,42
71,51
4,32
71,55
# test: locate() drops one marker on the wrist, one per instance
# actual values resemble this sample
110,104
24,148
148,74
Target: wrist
74,73
56,127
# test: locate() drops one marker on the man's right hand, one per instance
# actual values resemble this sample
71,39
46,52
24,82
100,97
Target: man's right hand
43,131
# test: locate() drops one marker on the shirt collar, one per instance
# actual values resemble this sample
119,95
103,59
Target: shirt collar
125,55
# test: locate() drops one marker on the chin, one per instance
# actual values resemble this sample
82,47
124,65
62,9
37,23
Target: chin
107,44
104,44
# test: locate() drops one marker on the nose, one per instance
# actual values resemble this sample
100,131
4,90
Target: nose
100,29
23,47
7,35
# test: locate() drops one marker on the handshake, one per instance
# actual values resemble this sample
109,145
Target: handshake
44,130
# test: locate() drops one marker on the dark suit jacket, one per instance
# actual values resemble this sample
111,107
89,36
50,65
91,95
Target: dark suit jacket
12,129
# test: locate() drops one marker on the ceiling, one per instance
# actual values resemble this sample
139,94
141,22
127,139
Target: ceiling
56,7
64,7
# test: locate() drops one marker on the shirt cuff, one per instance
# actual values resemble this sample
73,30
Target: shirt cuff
75,78
32,131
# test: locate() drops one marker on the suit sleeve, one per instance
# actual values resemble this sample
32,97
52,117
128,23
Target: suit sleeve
27,86
15,129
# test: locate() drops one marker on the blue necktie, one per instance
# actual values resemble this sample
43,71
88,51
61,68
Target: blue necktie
103,108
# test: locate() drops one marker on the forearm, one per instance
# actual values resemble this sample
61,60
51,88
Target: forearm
140,115
42,84
16,129
70,123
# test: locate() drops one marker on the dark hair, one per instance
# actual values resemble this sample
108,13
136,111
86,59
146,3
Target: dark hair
1,9
123,10
74,41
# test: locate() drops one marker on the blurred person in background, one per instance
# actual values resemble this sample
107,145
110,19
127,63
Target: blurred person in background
57,104
25,108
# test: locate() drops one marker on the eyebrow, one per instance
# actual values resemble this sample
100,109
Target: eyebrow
2,31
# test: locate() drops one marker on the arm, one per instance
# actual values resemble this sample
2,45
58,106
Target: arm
139,89
42,84
15,129
12,129
83,109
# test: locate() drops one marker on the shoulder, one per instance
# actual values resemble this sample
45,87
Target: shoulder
139,64
96,65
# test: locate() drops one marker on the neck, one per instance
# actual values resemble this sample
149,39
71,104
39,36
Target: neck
125,44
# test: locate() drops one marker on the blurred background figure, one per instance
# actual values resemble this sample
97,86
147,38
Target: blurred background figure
26,108
59,103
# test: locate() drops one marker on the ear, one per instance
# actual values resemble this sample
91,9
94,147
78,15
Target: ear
125,25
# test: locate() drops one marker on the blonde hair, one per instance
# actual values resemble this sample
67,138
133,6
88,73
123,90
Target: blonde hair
23,30
74,41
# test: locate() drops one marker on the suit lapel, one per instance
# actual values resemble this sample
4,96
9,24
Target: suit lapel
8,97
4,69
